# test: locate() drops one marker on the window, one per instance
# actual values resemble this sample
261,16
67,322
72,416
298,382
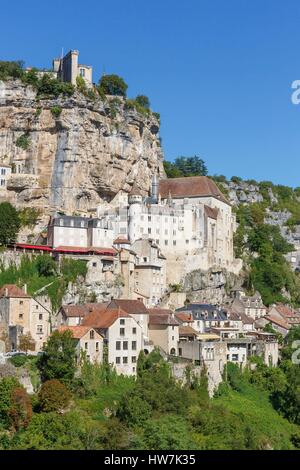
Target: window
40,316
94,265
21,302
36,307
133,359
174,242
118,360
125,360
39,329
122,331
133,345
125,345
166,231
85,346
82,72
92,334
172,338
118,345
97,346
235,357
187,242
20,315
166,242
149,230
149,218
134,331
122,321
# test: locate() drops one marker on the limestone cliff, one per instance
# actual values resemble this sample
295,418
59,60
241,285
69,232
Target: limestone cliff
80,156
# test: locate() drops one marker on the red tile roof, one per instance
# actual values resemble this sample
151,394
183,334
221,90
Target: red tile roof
83,309
278,322
184,317
129,306
163,319
284,310
103,319
159,311
77,331
11,290
80,249
192,186
121,240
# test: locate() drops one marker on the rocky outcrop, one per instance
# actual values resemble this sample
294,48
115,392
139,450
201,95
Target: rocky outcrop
211,286
78,158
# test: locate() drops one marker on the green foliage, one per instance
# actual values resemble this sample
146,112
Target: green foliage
51,87
20,411
58,359
143,101
18,361
7,385
13,69
53,396
45,265
23,142
113,85
185,166
56,111
29,216
9,223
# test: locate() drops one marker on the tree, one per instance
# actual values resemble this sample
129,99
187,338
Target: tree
185,166
15,405
26,342
9,223
20,411
113,85
45,265
53,396
58,359
143,101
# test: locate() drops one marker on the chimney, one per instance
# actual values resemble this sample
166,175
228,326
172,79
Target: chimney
6,292
25,288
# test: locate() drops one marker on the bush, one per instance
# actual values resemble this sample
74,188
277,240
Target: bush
113,85
20,411
13,69
23,142
143,101
29,216
53,396
9,223
45,265
18,360
56,111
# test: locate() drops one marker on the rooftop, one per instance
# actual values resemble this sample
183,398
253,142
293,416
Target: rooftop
191,186
11,290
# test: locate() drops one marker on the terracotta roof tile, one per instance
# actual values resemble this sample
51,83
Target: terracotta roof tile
129,306
187,331
163,319
103,319
278,322
11,290
77,331
83,309
184,317
191,186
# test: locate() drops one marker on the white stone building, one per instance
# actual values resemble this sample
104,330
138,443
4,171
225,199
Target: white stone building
5,172
188,218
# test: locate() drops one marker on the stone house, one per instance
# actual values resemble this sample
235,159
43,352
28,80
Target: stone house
278,324
285,313
123,337
19,309
207,316
88,341
252,306
136,309
72,315
164,330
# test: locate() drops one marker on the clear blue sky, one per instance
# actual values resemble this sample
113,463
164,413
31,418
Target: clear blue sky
219,72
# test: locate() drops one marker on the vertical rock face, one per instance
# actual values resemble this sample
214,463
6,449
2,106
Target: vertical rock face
79,158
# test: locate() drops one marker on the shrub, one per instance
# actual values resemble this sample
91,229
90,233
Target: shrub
143,101
29,216
53,396
157,116
18,361
56,111
113,85
23,142
13,69
20,411
9,223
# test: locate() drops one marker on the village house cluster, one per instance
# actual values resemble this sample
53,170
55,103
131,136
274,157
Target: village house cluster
150,242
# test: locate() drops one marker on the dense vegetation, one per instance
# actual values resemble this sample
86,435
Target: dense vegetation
185,166
254,409
40,274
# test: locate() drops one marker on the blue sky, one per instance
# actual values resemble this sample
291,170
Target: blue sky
219,72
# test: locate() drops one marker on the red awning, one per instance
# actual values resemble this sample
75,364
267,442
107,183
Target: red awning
33,247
